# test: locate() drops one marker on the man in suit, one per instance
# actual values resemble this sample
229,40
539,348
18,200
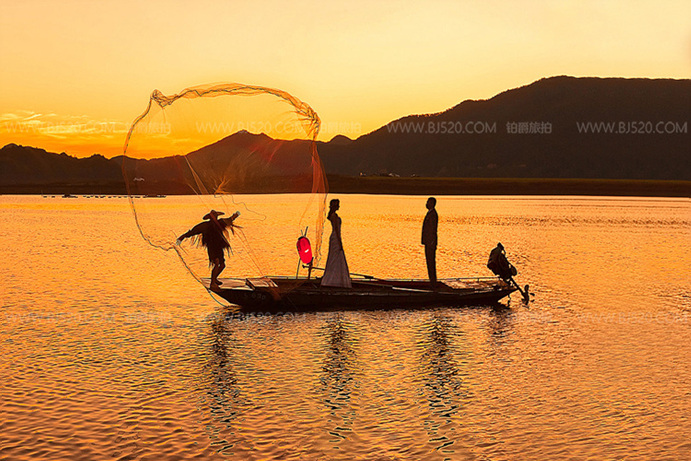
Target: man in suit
429,239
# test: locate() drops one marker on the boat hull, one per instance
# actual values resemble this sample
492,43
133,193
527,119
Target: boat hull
275,294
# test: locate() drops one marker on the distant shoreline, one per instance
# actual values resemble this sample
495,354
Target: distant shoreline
509,186
423,186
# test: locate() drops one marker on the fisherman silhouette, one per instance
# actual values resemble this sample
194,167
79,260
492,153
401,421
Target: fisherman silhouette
214,236
429,239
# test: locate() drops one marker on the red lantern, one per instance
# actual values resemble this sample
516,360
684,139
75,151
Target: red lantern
304,250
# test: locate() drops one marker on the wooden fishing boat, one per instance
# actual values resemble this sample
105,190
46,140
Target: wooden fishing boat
283,294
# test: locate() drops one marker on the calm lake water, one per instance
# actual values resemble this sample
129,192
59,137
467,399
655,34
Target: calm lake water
111,349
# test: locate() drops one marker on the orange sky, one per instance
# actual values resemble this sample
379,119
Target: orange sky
75,74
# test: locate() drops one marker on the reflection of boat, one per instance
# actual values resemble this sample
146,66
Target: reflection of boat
283,294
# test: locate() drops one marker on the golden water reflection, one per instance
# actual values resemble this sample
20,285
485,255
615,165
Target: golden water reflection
111,350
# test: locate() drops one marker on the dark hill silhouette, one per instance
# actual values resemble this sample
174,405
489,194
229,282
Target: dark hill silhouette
237,158
562,102
340,140
237,163
30,165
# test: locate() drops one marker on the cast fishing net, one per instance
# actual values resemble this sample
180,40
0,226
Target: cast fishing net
228,147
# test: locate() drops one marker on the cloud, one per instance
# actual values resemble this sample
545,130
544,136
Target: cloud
78,134
28,122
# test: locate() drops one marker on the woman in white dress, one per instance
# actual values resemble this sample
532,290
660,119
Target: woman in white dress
336,273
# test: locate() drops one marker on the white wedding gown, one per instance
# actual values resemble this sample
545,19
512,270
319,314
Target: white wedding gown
336,273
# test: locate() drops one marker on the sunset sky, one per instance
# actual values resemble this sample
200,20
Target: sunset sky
86,69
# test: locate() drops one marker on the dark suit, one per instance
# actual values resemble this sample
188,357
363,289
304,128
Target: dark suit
429,240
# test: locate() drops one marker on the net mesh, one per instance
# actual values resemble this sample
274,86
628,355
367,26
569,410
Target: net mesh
228,147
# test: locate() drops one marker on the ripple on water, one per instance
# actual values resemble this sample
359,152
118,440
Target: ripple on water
106,357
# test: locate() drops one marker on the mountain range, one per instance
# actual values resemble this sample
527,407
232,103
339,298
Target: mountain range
543,130
559,127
